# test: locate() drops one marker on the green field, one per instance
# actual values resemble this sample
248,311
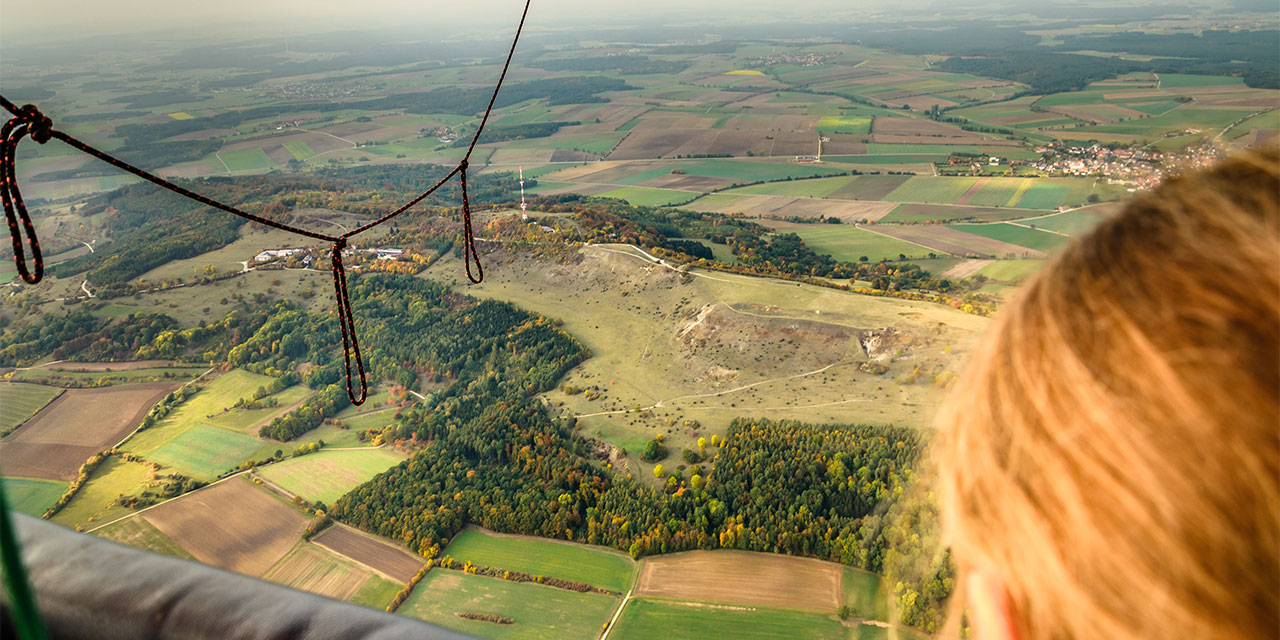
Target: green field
246,160
1044,196
1183,118
32,496
375,420
244,420
95,500
597,567
844,124
1174,80
1014,234
811,188
931,189
862,594
1001,192
848,243
205,452
645,618
21,401
1011,270
1072,223
327,475
299,149
221,393
538,611
137,532
649,197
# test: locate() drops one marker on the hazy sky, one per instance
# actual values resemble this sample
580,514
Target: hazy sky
92,17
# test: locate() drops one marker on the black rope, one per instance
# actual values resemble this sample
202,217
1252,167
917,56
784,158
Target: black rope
29,121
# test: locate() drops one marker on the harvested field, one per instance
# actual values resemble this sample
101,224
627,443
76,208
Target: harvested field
955,242
744,577
61,437
19,401
233,525
311,568
964,269
918,127
782,206
377,554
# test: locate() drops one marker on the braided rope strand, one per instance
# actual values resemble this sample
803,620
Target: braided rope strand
28,121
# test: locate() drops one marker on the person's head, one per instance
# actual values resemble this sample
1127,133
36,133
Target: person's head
1109,462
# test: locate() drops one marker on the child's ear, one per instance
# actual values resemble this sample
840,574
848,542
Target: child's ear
990,609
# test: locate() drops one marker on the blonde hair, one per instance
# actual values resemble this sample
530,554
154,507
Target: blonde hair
1112,453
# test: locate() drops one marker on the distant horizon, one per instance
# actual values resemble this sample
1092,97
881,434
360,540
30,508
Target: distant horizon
77,19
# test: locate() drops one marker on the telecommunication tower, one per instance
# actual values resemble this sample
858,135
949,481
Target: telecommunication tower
523,207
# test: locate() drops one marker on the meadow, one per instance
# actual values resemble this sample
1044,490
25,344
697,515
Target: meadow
205,452
848,243
599,567
31,496
645,618
327,475
538,611
96,500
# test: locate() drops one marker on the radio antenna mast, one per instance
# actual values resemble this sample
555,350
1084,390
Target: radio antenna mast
524,215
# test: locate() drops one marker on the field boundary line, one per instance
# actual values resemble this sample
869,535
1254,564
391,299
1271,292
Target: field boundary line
139,427
139,512
866,228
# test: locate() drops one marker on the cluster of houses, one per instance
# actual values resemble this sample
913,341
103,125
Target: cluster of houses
271,255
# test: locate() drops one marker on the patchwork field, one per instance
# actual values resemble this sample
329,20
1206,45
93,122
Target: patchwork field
213,400
959,243
73,427
375,553
327,475
232,525
21,401
644,618
538,611
596,566
742,577
1014,234
312,568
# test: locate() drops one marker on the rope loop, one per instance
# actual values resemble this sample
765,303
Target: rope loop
347,325
25,121
470,254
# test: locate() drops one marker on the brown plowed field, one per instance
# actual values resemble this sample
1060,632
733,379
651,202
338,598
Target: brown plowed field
80,423
233,525
795,144
743,577
383,557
